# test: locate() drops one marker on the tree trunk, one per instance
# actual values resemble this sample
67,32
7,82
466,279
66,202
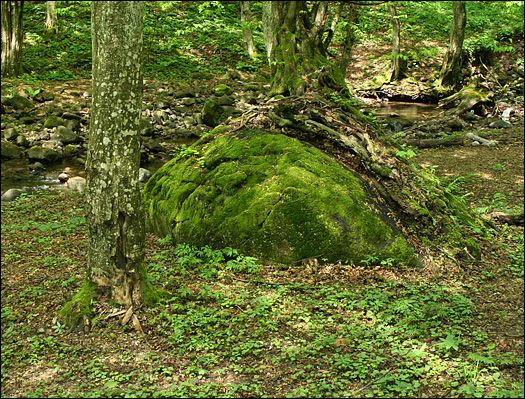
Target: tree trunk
12,37
51,16
297,58
351,19
115,217
268,28
450,74
246,17
397,64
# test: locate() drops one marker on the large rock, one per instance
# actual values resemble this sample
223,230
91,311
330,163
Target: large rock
19,102
212,113
54,121
44,154
11,194
10,150
66,135
270,196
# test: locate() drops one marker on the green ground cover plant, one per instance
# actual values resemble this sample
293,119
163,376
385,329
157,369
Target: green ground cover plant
230,326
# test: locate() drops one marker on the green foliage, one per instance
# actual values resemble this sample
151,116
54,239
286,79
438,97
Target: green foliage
405,154
209,261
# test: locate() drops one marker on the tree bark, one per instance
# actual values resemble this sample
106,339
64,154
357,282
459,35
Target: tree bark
115,217
268,28
12,37
450,74
397,64
246,17
51,16
297,56
351,19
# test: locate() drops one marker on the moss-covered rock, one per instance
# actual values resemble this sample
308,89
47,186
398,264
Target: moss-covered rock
54,121
273,197
222,89
10,150
19,102
212,113
44,154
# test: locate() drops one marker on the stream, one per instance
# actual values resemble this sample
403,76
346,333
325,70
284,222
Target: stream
15,173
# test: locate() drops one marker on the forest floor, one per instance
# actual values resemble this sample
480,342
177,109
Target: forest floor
273,331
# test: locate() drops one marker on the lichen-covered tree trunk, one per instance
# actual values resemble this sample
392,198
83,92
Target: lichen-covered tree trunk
115,217
51,16
397,66
450,74
297,54
12,37
246,17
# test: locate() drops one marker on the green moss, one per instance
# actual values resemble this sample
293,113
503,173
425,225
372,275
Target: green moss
222,89
150,294
79,307
273,197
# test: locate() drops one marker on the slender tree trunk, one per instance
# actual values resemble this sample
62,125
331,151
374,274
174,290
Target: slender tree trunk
12,37
115,217
51,16
397,66
450,74
246,17
268,28
351,19
297,58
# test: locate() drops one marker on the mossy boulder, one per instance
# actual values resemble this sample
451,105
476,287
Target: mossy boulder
54,121
19,102
44,154
212,113
222,89
10,150
273,197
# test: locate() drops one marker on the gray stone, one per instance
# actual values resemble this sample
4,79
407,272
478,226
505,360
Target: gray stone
499,124
19,102
54,121
144,175
36,167
188,101
44,154
11,194
10,150
22,141
76,183
225,100
10,133
66,136
63,177
71,115
71,150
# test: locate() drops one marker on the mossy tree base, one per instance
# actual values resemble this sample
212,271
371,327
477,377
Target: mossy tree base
78,312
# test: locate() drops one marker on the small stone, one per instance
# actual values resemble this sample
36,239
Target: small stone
63,177
144,175
36,167
10,133
11,194
54,121
22,141
76,183
499,124
10,150
188,101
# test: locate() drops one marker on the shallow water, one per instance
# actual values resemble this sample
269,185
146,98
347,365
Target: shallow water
410,111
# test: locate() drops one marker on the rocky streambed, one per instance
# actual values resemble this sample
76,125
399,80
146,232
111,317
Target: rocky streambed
44,133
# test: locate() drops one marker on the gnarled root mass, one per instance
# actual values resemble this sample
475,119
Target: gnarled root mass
423,208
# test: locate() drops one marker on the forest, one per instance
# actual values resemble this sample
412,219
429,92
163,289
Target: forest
262,199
